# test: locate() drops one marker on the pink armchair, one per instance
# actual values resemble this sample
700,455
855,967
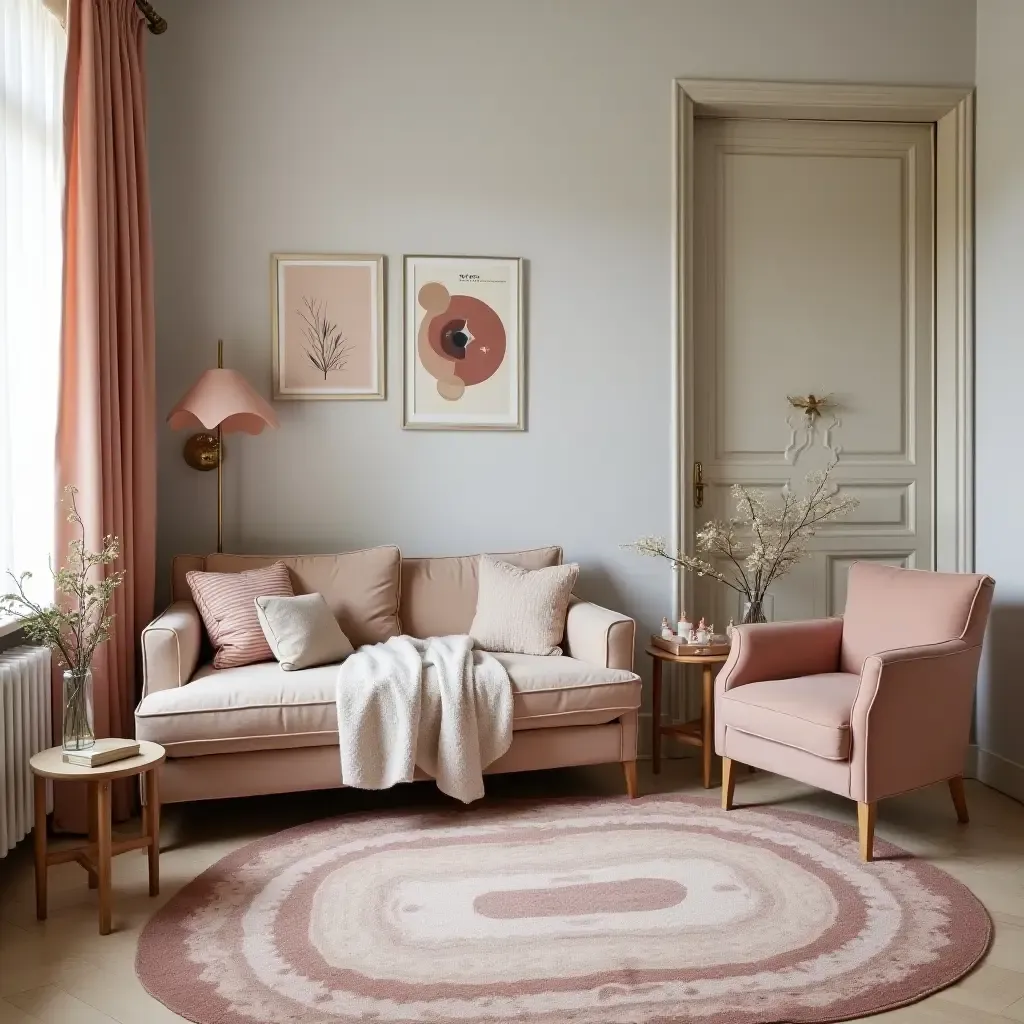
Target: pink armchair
867,706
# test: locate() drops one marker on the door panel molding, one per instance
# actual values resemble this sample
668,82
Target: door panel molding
951,111
724,148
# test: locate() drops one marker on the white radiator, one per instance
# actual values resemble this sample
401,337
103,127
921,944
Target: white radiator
25,729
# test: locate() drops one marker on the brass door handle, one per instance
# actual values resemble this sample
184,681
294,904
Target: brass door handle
698,485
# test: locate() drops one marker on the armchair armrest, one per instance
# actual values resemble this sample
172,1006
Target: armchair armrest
781,650
599,635
170,647
911,719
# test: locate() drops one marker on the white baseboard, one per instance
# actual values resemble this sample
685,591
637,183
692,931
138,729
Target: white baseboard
995,771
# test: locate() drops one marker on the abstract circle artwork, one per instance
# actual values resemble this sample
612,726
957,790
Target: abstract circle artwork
461,340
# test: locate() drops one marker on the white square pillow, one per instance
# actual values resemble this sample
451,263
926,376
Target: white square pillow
301,631
521,611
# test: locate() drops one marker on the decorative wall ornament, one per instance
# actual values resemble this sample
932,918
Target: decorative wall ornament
464,349
811,404
805,427
328,325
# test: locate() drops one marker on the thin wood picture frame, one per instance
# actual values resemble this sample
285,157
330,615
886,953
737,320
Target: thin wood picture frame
328,318
464,356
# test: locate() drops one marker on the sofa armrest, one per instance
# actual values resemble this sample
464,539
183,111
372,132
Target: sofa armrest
170,647
599,636
911,719
781,650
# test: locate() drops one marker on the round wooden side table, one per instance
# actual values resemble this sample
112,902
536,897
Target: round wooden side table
701,731
96,854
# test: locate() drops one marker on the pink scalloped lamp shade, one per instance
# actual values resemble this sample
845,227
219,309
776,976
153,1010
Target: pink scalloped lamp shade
223,398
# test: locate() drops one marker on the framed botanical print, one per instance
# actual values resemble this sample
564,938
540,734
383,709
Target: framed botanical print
328,326
464,343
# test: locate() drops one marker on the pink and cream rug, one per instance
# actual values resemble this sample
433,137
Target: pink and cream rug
652,911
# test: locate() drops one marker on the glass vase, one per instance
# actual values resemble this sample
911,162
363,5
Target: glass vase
759,611
78,732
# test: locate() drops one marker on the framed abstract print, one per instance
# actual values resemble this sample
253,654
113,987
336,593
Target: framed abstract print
464,343
328,326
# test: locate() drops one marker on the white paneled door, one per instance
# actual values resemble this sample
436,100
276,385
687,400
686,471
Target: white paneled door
813,259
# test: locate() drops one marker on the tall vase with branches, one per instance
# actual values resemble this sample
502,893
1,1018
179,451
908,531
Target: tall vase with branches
76,624
762,542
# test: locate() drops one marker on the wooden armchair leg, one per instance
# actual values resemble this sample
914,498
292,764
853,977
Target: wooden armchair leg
866,824
728,783
632,786
956,791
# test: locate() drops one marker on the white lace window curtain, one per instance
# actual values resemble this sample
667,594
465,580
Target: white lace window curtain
33,47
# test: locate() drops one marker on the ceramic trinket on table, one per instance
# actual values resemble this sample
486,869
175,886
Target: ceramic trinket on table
684,627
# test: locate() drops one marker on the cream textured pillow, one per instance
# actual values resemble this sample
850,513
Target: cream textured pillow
521,611
225,603
301,631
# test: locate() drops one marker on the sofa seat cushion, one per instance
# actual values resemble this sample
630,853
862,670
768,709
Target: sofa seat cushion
262,707
811,713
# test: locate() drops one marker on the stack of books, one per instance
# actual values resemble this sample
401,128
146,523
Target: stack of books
102,752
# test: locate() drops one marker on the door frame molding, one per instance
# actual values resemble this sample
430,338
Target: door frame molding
951,110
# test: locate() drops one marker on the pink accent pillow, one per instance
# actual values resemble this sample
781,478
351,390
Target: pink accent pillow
227,604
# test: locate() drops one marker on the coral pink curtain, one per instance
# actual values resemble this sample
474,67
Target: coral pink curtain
106,430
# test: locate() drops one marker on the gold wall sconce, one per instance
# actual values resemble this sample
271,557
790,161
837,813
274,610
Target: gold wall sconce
226,400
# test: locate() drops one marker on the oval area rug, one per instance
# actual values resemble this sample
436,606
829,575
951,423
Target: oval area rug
652,911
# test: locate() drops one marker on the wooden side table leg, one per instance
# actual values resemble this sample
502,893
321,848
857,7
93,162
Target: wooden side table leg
103,811
656,719
153,829
708,723
39,841
93,833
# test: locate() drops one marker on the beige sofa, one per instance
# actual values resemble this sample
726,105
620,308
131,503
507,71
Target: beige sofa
258,729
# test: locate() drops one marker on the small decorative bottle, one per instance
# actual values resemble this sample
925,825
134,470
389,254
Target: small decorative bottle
685,627
729,630
666,630
702,636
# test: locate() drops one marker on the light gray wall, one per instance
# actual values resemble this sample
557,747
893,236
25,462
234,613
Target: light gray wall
538,128
999,507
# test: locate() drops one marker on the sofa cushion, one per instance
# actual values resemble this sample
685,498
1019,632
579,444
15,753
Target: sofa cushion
262,707
226,603
522,611
439,594
811,713
360,587
302,631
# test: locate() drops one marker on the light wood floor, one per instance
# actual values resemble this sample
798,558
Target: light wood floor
63,972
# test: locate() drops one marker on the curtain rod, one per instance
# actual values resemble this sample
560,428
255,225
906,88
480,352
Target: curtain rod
157,25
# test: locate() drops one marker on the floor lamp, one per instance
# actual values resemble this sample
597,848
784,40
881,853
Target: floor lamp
226,400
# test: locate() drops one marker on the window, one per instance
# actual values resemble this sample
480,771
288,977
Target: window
32,52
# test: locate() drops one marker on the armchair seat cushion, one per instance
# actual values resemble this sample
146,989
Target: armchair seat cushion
262,707
810,713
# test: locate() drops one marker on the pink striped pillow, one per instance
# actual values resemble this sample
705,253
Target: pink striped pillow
227,604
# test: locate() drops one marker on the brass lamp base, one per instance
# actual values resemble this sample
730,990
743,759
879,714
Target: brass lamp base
202,451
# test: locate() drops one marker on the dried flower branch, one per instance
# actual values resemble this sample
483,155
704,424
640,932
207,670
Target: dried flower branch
73,627
763,541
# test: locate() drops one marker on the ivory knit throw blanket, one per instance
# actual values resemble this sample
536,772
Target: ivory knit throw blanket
434,704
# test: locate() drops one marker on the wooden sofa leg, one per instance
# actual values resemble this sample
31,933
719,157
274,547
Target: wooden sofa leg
956,791
866,824
632,787
728,783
